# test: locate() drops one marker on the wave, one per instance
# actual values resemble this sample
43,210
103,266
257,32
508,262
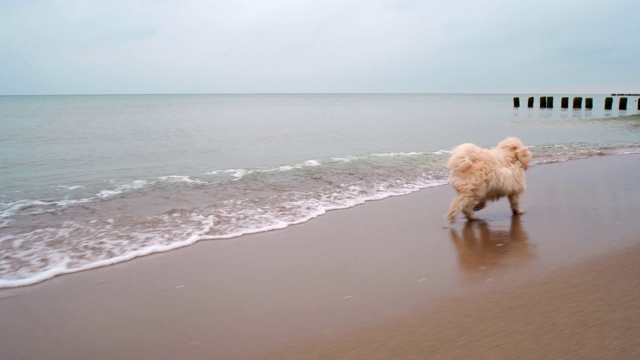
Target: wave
90,243
542,154
548,154
49,237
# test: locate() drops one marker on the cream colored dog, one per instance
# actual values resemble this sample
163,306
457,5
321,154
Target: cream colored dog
480,175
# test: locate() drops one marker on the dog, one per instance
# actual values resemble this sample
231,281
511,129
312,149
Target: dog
481,175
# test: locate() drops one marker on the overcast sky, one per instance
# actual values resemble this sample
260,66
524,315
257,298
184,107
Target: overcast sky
290,46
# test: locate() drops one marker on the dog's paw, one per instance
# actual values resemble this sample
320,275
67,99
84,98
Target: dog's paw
518,212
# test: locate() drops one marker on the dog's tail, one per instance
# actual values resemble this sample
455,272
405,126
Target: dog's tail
463,157
458,204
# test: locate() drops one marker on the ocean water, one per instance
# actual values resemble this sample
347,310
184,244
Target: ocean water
89,181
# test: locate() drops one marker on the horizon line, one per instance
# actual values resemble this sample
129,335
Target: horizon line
324,93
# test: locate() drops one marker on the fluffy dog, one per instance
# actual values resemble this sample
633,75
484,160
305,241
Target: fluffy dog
480,175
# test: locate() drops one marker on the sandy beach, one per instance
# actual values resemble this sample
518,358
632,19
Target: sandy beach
384,280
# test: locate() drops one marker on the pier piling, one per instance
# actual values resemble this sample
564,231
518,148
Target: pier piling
577,102
623,104
546,102
608,103
588,103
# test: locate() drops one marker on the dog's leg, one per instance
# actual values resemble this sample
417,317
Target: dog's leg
514,200
479,206
468,211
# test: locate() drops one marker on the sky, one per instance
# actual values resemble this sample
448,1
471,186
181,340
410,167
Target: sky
319,46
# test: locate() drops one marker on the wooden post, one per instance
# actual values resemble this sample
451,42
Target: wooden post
543,102
623,104
608,103
588,103
516,102
577,102
565,103
550,102
530,102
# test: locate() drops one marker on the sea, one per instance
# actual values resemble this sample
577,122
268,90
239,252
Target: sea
91,181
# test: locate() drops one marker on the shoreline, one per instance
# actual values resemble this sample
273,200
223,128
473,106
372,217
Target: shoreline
196,238
341,273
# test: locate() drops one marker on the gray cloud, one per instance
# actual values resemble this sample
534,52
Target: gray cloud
317,46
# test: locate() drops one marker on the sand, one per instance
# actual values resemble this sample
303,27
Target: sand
378,281
588,311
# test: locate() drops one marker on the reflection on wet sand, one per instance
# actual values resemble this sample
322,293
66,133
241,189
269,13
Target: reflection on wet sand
481,249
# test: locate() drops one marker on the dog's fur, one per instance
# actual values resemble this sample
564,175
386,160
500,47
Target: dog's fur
480,175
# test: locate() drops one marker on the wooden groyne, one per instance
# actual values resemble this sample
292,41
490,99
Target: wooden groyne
608,103
546,102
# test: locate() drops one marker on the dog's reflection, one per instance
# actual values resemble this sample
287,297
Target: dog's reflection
481,249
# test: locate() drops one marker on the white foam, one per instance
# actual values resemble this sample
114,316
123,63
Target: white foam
182,179
87,244
63,264
236,173
70,187
34,279
354,195
241,173
134,185
236,219
396,154
630,152
8,210
345,159
441,152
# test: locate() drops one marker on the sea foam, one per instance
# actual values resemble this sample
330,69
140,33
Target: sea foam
80,234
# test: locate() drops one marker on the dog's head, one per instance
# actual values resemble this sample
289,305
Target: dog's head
518,151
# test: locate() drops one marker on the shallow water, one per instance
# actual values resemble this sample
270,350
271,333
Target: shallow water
89,181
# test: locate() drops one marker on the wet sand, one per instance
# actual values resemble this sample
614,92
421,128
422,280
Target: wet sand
382,280
587,311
